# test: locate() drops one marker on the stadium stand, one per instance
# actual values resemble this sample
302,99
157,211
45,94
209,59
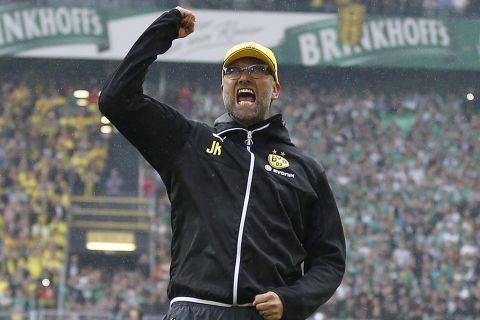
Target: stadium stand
403,162
48,144
403,167
403,159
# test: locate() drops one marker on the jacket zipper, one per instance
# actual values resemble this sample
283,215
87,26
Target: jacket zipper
249,143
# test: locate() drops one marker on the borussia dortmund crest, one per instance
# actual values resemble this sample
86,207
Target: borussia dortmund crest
276,161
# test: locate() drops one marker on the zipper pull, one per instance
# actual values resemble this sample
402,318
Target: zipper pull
249,140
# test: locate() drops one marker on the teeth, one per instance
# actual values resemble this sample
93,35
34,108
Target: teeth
244,90
242,103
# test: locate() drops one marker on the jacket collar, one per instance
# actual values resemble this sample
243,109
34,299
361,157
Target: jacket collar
275,130
224,118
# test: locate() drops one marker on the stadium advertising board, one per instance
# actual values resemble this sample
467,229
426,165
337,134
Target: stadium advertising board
23,27
298,38
387,42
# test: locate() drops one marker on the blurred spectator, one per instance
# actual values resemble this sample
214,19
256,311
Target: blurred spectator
143,265
114,183
148,185
134,314
73,266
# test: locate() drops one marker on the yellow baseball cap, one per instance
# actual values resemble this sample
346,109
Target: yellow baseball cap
255,50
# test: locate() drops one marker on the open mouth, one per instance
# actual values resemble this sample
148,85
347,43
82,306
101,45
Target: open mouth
245,96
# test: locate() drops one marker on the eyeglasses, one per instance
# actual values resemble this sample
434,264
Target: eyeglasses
255,71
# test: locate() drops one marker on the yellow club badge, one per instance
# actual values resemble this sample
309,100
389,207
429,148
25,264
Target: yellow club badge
277,161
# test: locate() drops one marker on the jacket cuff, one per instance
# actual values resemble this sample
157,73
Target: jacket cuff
176,15
292,306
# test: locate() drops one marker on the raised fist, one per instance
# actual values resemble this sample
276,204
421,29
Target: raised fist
187,25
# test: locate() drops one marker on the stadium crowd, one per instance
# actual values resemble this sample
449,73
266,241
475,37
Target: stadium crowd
47,145
404,168
403,164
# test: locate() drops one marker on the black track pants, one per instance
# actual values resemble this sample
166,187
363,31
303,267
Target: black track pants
197,311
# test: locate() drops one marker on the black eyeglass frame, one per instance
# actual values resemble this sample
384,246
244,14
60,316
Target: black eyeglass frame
251,72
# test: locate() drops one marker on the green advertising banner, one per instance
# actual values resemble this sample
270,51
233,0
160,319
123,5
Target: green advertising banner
25,26
386,42
308,39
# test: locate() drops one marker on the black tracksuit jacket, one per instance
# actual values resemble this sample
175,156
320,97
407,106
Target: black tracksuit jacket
242,225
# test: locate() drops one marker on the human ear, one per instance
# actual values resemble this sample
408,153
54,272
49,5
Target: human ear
276,91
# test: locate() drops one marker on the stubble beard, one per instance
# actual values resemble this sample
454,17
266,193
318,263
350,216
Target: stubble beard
259,113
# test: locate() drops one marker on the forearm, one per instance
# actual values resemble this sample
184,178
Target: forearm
125,84
312,290
324,265
155,129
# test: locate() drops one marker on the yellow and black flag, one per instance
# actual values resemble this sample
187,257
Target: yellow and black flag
351,15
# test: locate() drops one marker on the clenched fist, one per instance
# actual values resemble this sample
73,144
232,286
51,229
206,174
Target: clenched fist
269,305
187,25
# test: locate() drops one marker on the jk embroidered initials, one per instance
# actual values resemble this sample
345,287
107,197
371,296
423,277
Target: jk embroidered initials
215,148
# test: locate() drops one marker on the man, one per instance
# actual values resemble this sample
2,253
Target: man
256,231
